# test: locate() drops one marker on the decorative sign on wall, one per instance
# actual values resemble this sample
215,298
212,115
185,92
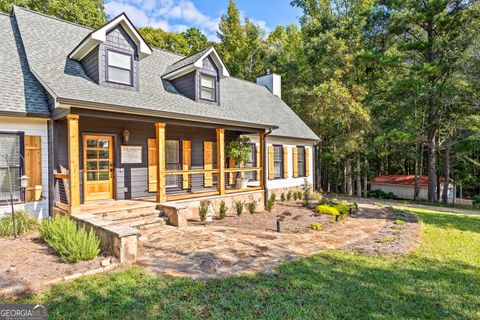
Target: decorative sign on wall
131,154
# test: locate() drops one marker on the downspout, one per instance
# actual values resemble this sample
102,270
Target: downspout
265,172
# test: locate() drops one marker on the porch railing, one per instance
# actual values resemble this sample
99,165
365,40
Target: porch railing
62,190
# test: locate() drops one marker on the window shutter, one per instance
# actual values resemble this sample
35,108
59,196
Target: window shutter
285,162
295,162
152,165
207,162
33,167
307,161
231,175
186,162
257,162
271,169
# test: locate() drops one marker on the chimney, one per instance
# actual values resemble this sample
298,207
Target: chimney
272,81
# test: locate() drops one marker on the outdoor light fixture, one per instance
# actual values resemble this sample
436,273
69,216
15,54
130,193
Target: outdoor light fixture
24,181
126,136
278,225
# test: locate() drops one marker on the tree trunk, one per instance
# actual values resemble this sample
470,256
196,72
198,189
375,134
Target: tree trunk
418,169
432,150
337,179
446,174
348,178
365,180
358,176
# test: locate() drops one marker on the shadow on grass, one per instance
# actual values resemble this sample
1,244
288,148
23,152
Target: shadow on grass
448,220
334,285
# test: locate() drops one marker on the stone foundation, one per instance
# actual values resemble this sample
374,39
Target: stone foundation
278,191
179,212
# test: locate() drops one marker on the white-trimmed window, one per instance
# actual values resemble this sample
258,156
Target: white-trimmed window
119,67
278,161
11,147
301,161
207,88
172,161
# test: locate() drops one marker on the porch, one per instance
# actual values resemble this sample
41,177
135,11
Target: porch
102,157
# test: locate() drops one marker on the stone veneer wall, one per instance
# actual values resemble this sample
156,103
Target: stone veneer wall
278,191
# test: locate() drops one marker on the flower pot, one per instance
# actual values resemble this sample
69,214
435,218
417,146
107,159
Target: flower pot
241,183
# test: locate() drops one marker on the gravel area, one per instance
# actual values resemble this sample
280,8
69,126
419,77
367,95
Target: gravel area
295,218
399,235
29,263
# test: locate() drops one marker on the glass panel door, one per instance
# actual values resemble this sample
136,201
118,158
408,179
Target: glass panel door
98,167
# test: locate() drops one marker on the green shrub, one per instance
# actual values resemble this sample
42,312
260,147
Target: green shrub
307,193
270,203
282,197
252,206
289,195
343,209
476,201
380,194
299,195
24,223
295,196
316,226
239,205
203,210
325,209
71,243
223,210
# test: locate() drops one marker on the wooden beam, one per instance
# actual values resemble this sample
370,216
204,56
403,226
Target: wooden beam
221,160
161,180
262,160
73,162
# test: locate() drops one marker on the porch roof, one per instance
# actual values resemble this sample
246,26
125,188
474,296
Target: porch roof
48,41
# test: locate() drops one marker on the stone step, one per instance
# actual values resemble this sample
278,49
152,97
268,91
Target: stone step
125,212
126,219
148,223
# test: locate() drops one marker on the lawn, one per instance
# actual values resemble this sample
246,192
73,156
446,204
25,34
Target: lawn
440,280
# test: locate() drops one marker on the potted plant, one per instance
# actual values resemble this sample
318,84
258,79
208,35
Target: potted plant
239,151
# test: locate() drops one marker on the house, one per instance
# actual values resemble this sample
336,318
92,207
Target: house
116,119
402,186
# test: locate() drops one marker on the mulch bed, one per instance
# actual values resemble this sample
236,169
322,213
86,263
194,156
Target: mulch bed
395,238
29,263
295,218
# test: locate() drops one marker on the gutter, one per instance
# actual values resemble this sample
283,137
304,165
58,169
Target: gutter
265,172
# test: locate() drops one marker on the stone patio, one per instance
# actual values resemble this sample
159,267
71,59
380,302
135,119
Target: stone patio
214,251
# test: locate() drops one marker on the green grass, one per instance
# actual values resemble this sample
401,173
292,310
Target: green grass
440,280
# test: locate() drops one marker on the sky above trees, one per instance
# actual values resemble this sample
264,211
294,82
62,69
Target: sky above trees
178,15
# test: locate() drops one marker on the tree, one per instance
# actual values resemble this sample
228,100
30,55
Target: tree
90,13
171,41
196,40
431,37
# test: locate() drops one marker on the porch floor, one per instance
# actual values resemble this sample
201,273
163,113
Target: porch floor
103,206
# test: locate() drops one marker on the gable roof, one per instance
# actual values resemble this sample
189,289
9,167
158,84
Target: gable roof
20,92
99,35
195,61
48,42
400,179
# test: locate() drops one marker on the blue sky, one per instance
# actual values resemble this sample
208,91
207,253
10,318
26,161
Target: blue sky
178,15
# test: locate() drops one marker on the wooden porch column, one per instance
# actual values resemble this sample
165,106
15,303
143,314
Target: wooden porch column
262,159
221,160
160,144
73,162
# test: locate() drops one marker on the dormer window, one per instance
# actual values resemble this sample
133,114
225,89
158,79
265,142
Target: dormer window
207,88
119,67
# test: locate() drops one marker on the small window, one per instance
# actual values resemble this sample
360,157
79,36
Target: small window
172,162
11,146
278,162
119,68
301,161
207,88
251,163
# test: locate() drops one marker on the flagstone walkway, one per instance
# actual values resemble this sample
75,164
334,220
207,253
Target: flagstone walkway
214,251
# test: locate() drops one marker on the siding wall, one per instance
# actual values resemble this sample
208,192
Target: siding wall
289,143
406,191
34,127
91,66
186,85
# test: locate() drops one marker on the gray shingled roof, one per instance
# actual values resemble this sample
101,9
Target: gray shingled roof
20,92
186,61
48,41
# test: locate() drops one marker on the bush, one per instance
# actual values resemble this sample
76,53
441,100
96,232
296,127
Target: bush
307,193
295,196
223,210
476,201
325,209
203,211
282,197
316,226
289,195
252,207
299,195
343,209
24,223
270,203
71,243
380,194
239,205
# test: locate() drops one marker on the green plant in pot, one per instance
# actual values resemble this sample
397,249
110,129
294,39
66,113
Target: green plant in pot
239,151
